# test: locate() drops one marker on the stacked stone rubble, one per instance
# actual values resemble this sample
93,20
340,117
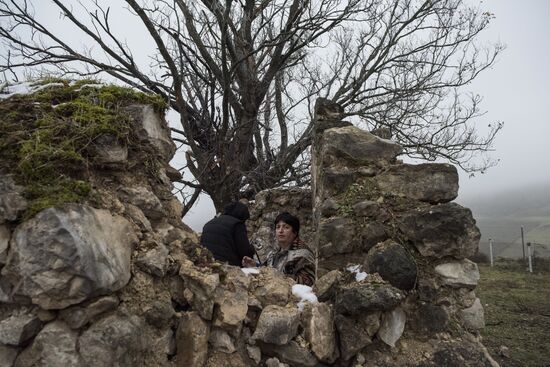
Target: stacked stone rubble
120,281
97,283
396,221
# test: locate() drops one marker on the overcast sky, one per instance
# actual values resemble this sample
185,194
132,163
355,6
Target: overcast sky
515,91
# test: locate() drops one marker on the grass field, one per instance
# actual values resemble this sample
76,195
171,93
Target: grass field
517,313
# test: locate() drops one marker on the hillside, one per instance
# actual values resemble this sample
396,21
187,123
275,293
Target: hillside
501,215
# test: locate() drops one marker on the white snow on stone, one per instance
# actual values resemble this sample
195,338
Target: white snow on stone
359,275
305,294
25,88
250,270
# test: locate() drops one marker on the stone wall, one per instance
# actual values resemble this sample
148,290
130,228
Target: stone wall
116,279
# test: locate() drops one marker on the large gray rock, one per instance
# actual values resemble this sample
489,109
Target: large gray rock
144,199
67,254
473,318
319,331
357,298
277,325
152,128
325,287
271,287
353,145
201,286
192,340
442,230
356,333
232,298
16,329
80,315
430,182
5,235
392,326
116,340
12,204
394,264
55,345
462,273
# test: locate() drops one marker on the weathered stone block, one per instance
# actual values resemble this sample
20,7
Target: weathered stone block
358,147
115,340
473,318
152,128
430,182
462,273
392,326
394,264
319,331
65,255
356,333
277,325
441,230
357,298
55,345
192,340
16,329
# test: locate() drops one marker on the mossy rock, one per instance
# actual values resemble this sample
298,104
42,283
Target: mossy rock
47,135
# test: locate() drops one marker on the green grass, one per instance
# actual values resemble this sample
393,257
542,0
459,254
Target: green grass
517,312
47,137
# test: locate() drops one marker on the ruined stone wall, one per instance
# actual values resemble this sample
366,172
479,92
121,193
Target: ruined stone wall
116,279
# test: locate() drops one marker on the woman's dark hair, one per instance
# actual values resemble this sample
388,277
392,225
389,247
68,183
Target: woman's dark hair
291,220
237,209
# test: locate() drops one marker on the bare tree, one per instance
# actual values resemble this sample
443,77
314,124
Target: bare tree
244,75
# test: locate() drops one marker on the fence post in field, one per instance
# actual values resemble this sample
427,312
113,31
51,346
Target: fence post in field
529,257
522,243
491,250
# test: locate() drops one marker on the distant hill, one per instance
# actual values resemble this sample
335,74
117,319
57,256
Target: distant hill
501,215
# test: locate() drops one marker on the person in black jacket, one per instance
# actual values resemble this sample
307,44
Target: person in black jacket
225,236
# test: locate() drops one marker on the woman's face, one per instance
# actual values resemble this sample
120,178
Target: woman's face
284,234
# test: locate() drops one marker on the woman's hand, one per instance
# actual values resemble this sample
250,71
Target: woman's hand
248,262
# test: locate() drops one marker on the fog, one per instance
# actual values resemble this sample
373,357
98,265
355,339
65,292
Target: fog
516,92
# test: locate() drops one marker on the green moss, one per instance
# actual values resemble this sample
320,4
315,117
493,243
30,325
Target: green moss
47,136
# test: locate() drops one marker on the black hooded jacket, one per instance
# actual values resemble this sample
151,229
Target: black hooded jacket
225,236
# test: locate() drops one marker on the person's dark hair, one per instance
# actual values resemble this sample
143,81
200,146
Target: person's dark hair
291,220
237,209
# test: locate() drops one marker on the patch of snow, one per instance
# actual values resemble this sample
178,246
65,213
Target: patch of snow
359,275
305,294
250,270
25,88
